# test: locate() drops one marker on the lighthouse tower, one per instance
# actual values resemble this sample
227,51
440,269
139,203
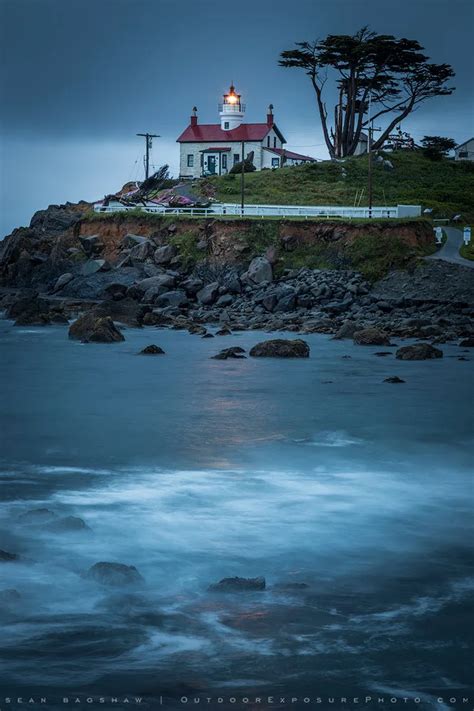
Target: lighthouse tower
231,111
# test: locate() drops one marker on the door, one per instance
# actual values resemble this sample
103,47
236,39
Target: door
211,165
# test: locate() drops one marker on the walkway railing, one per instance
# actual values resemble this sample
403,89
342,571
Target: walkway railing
298,211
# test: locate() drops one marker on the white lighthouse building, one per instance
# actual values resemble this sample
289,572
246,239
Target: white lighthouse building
212,149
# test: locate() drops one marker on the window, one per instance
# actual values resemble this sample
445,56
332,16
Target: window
275,162
226,124
236,158
190,161
463,154
268,141
274,142
224,161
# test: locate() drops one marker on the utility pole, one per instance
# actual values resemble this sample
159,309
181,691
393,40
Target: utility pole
242,183
148,143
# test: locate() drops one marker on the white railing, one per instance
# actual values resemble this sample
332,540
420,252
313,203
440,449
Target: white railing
301,211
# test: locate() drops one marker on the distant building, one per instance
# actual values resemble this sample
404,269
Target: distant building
362,144
212,149
465,151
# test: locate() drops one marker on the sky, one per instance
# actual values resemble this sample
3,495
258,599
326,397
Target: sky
79,78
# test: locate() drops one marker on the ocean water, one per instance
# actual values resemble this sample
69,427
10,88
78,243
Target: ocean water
311,472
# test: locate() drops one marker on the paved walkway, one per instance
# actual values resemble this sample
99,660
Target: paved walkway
449,252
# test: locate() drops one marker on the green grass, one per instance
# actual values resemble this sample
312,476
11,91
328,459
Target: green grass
467,251
446,186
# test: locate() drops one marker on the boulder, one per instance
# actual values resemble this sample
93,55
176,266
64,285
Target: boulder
238,584
91,328
68,524
113,574
192,286
91,245
125,311
208,294
371,337
130,241
224,301
63,280
467,342
92,266
115,291
6,557
224,332
152,350
29,311
347,330
393,379
418,351
259,271
166,281
233,352
141,252
172,298
164,255
281,348
37,516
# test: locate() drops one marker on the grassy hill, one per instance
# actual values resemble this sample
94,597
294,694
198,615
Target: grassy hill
445,186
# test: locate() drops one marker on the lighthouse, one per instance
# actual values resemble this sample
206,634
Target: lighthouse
231,110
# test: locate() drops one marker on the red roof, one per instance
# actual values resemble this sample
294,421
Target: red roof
290,154
203,133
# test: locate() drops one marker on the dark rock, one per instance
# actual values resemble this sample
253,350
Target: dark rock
115,291
286,303
419,351
347,330
113,574
152,350
94,265
141,252
197,330
238,584
37,516
63,280
172,298
130,241
6,557
224,332
259,271
233,352
393,379
54,219
224,301
164,255
208,294
467,342
124,311
91,328
281,348
382,354
192,286
208,335
68,524
91,245
371,337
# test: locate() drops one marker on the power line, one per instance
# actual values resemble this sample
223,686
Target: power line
148,143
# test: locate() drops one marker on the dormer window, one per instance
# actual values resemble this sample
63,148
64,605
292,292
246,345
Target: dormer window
226,125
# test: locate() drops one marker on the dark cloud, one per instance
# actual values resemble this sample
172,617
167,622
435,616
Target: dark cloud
101,70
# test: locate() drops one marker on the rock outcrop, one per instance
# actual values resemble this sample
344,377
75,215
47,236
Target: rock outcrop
238,585
114,574
281,348
419,351
90,328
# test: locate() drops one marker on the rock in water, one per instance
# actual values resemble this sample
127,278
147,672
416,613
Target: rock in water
90,328
419,351
467,342
371,337
37,516
152,350
393,379
114,574
281,348
238,584
6,557
233,352
68,524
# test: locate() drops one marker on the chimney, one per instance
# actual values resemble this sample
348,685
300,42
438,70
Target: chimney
194,118
270,115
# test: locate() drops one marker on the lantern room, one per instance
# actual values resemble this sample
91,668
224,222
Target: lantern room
231,110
